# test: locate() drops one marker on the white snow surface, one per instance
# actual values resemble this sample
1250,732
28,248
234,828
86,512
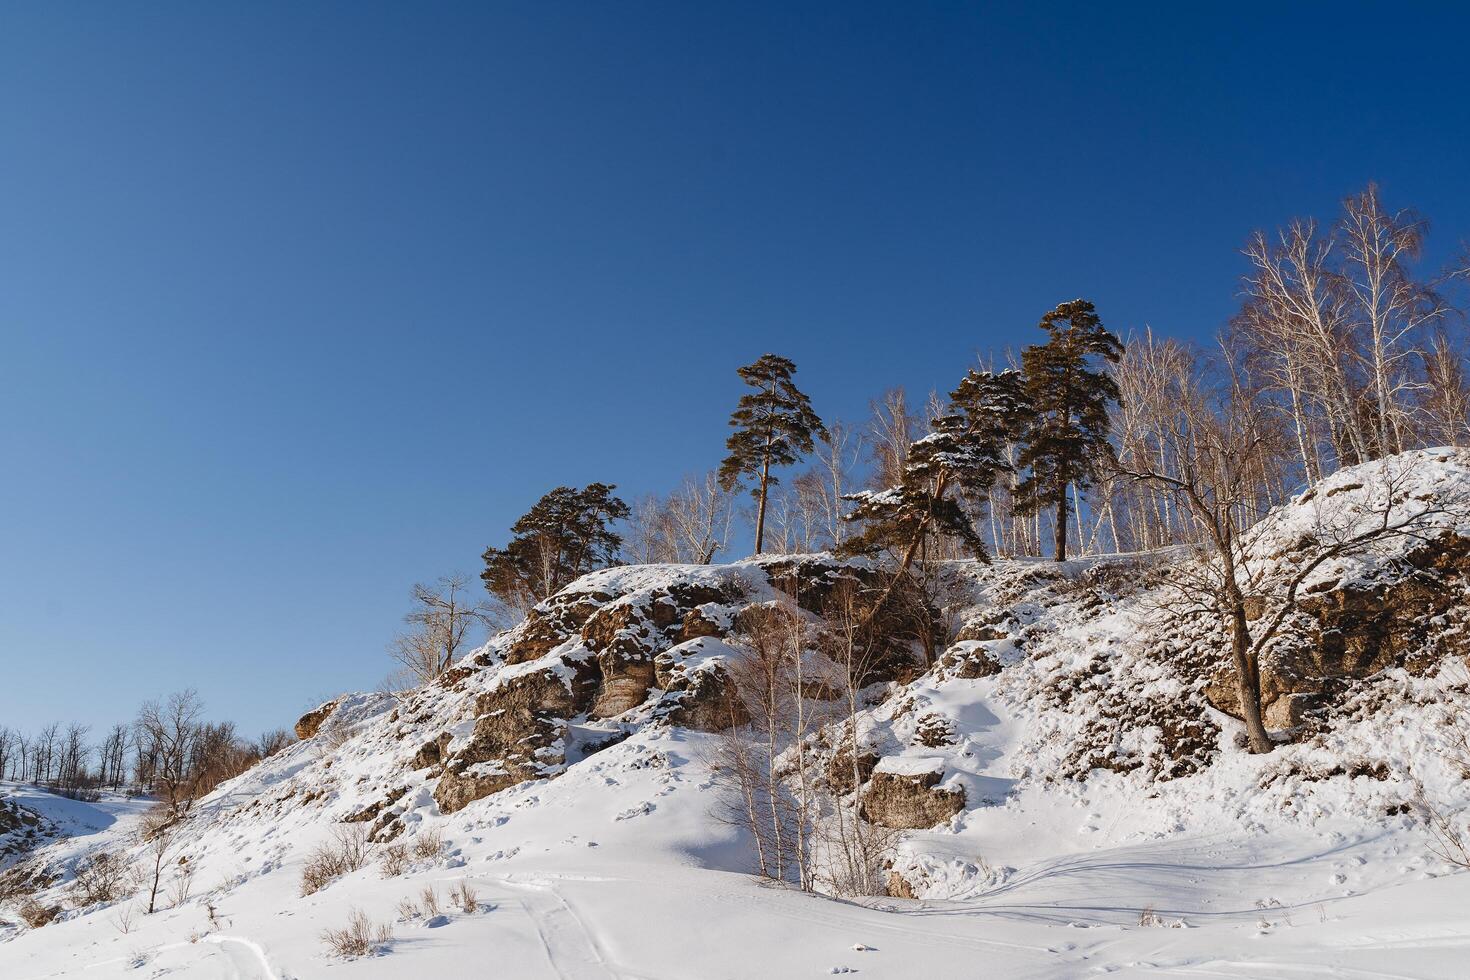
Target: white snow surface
1250,866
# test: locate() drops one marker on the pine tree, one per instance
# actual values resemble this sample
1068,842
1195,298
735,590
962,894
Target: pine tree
774,426
1068,436
961,458
564,536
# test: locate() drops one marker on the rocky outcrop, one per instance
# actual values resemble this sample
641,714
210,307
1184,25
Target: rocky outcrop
311,722
905,794
1346,632
698,690
519,734
642,638
844,774
821,585
21,829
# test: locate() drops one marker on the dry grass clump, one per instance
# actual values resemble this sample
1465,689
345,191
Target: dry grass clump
360,938
464,896
393,859
428,844
35,915
429,899
345,852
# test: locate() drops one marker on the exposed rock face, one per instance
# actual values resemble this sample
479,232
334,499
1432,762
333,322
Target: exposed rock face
625,636
602,649
1349,632
840,770
430,753
20,829
552,623
520,734
311,722
815,583
702,620
909,797
709,703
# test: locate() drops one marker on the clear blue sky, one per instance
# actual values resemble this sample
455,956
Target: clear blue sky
300,303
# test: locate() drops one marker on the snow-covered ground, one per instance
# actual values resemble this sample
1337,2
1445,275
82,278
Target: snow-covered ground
1307,862
609,871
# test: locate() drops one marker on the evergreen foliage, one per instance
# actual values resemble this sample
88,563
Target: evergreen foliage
774,426
565,535
959,460
1067,441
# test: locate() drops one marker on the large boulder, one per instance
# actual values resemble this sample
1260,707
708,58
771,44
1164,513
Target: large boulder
904,793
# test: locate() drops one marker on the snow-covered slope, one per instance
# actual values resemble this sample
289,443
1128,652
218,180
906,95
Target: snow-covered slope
1108,819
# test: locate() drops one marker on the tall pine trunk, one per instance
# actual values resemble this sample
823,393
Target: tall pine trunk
760,511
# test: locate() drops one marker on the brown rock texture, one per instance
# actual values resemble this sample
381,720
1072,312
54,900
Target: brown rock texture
910,801
1342,633
311,722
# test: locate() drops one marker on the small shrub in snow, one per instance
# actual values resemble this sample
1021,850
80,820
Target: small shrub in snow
1449,836
100,878
393,860
428,845
1148,917
464,896
347,851
408,910
360,938
123,921
429,899
183,881
36,915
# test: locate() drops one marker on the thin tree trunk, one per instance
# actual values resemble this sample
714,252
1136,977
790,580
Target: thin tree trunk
1060,536
1248,680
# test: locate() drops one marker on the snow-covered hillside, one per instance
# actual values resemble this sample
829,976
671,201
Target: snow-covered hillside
1094,808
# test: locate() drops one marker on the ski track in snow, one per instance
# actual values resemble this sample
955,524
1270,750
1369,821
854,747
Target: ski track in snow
572,949
247,959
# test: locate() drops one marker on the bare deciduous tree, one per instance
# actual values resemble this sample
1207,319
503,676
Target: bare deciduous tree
443,618
689,527
851,852
763,765
1216,445
891,431
167,732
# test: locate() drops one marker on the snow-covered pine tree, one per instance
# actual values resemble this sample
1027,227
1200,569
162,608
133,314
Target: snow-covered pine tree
961,458
774,426
565,535
1067,439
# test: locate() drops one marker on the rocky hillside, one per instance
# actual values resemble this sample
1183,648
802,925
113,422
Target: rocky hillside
1069,708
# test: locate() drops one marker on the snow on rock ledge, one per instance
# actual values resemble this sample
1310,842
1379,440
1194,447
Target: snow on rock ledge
904,793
